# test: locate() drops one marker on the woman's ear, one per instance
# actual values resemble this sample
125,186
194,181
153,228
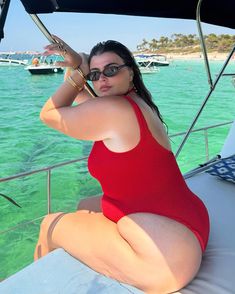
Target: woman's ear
131,75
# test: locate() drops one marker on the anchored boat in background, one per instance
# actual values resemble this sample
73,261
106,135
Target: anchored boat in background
8,59
150,63
40,65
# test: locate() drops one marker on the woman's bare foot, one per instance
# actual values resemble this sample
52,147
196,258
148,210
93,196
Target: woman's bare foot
44,244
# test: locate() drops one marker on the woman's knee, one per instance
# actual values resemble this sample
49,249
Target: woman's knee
47,220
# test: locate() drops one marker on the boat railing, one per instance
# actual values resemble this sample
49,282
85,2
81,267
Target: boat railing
205,133
49,169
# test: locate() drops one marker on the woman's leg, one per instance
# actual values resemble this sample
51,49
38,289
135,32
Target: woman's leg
153,253
91,203
172,250
94,240
44,245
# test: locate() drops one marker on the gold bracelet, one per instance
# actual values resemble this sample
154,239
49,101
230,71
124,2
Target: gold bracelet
81,74
76,86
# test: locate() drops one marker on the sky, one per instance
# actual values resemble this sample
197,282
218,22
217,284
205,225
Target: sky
83,31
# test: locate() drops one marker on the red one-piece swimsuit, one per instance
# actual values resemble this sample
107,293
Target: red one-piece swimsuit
146,179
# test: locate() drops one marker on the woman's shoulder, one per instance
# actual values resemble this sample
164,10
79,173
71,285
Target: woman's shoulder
111,99
113,103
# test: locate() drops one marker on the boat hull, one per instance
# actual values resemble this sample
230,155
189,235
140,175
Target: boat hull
162,63
44,70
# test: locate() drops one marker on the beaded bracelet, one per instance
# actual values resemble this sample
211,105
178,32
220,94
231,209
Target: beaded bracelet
76,86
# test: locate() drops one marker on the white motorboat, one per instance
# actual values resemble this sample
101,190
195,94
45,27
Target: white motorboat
41,66
44,69
150,63
7,59
146,59
58,272
146,64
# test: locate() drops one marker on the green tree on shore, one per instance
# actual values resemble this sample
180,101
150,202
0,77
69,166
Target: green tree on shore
188,43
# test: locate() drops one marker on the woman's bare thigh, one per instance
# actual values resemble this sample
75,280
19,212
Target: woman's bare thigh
153,253
168,247
95,240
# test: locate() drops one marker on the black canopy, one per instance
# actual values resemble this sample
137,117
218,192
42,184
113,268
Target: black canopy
217,12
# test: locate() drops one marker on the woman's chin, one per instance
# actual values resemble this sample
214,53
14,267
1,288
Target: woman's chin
110,92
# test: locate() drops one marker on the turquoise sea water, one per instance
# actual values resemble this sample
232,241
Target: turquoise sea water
26,144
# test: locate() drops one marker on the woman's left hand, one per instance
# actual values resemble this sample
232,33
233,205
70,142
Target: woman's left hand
71,57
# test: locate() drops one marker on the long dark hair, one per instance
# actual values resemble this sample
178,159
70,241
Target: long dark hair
129,60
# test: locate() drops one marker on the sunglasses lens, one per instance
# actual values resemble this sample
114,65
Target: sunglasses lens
94,75
111,71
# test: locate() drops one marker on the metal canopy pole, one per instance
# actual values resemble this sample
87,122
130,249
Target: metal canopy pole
4,4
47,34
212,85
42,28
203,45
204,102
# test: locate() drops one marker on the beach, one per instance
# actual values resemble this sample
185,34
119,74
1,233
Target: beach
214,56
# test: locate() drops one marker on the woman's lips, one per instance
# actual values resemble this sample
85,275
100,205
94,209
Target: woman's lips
104,88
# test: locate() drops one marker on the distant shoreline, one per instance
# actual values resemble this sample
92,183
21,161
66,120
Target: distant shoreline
196,56
217,56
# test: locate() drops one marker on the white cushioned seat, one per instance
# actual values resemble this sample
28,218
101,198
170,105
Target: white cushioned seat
60,273
217,272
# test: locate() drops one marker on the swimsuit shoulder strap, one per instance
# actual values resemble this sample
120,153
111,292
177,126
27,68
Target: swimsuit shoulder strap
140,117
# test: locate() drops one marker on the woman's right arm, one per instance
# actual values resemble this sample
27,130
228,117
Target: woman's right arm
82,96
93,120
72,60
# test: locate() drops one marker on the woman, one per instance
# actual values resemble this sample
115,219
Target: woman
151,230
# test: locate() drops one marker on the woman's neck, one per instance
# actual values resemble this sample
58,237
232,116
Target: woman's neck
130,90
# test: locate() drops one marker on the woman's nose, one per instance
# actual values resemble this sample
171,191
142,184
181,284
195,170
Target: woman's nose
102,77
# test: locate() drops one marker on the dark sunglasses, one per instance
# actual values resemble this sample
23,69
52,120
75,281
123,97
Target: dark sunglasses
109,71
